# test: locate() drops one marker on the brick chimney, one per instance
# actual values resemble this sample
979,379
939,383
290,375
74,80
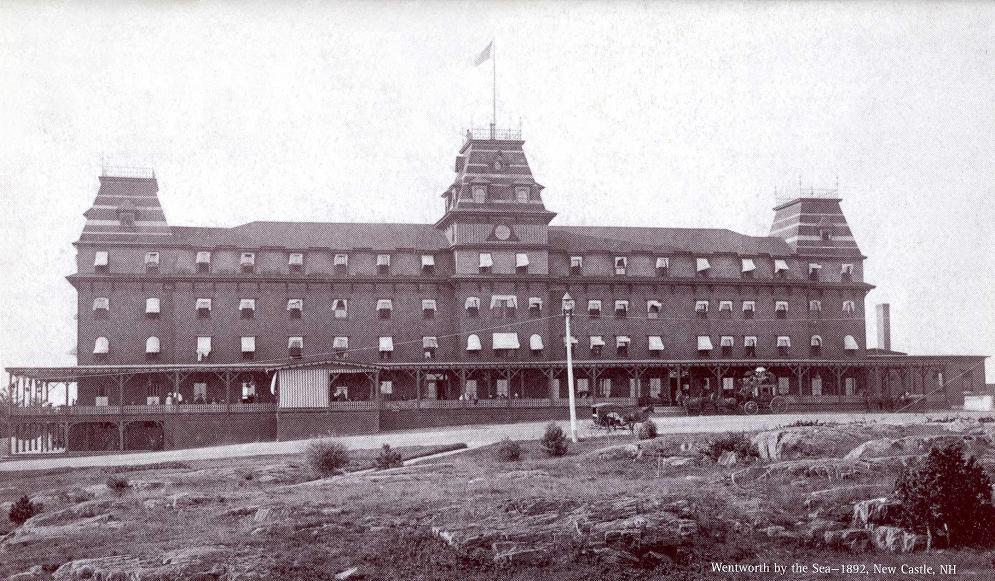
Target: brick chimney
884,326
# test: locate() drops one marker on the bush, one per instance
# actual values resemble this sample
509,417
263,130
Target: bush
554,441
947,496
24,509
388,458
646,430
509,450
118,485
326,457
730,442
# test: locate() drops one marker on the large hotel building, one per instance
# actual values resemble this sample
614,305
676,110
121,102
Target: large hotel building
280,330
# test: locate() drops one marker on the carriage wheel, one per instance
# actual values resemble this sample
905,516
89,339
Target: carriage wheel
751,408
778,405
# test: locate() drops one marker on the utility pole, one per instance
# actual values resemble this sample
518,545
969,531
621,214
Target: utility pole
570,370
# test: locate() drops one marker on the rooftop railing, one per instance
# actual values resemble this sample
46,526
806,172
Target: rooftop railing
494,133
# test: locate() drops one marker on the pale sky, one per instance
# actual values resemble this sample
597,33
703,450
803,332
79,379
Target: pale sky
634,114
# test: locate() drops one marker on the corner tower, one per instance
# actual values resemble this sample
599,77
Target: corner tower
126,209
813,225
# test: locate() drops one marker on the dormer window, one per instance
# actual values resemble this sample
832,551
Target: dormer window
428,263
826,234
662,266
152,262
295,262
813,270
748,267
479,194
127,219
521,263
486,263
846,273
248,262
101,262
522,194
498,165
203,261
780,268
576,264
849,307
383,264
702,266
341,263
621,263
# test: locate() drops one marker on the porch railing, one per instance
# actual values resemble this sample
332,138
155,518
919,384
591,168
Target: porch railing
103,410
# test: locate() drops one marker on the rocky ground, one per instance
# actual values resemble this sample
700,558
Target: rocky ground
610,509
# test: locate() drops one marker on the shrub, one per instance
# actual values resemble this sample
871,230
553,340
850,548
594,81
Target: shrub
646,430
388,458
945,495
554,441
730,442
118,485
326,457
24,509
509,450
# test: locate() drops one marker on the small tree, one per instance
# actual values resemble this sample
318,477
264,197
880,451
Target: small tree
554,441
646,430
943,494
326,457
509,450
388,458
24,509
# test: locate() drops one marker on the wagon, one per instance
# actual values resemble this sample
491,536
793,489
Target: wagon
610,416
763,397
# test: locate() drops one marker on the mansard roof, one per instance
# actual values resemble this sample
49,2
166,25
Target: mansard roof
644,239
135,196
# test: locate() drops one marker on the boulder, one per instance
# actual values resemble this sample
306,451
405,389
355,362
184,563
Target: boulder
186,499
853,540
775,445
621,452
876,511
269,515
510,553
350,573
36,573
25,536
897,540
728,458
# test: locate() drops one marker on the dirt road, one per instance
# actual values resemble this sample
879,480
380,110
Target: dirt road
473,436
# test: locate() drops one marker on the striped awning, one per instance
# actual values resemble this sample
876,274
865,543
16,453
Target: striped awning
505,340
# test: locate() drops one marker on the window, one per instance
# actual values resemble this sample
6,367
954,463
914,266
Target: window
295,347
849,307
572,343
101,262
504,306
748,267
472,306
726,344
340,346
152,262
781,309
826,234
535,306
750,346
200,391
383,264
295,307
653,309
341,308
203,261
247,308
473,344
622,345
815,345
621,309
430,345
813,270
781,268
522,194
428,308
597,345
783,345
203,307
535,344
594,309
662,266
101,307
504,343
248,347
486,262
386,347
749,308
203,348
567,305
815,307
384,308
701,308
295,262
248,262
341,263
428,263
152,348
704,345
521,263
655,345
701,267
621,263
152,308
576,264
479,194
725,309
846,273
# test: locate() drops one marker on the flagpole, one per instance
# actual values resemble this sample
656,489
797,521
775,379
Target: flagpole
493,88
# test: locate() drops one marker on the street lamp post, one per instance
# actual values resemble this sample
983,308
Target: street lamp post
570,368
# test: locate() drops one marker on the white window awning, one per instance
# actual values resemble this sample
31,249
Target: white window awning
339,304
850,344
849,306
386,344
472,302
593,305
340,343
383,260
249,304
385,305
621,305
521,259
622,341
535,342
846,269
473,343
784,341
621,262
427,260
509,301
535,302
101,303
815,305
486,261
748,265
597,341
653,306
152,258
100,258
247,259
701,306
203,257
576,261
780,265
295,342
204,304
749,341
295,304
505,340
704,343
428,305
430,342
781,306
816,341
101,346
341,260
655,343
152,305
726,341
813,266
725,306
662,262
702,264
749,305
573,341
203,346
296,259
152,345
248,344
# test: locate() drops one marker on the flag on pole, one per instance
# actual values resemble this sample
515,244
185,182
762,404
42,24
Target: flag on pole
484,55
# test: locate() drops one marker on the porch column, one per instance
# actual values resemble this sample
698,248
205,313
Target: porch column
376,385
462,383
418,388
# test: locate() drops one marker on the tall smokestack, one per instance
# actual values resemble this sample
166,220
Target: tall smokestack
884,326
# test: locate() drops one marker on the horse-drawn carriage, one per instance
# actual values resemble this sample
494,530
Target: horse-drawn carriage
757,392
610,416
